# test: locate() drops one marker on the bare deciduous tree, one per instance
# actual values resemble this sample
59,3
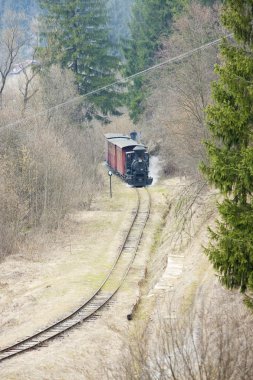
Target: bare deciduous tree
174,118
51,161
12,39
191,78
26,84
213,343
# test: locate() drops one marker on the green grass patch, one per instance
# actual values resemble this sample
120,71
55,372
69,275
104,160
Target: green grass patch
248,302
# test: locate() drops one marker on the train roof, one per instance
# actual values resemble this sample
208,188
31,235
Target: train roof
109,136
122,141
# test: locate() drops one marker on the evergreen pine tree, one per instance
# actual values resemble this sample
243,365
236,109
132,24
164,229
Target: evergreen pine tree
77,37
150,20
230,150
119,13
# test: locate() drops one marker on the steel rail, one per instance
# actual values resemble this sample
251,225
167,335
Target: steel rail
78,316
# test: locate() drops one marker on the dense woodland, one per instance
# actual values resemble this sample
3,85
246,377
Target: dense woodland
195,114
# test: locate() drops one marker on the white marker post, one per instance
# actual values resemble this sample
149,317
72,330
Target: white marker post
110,175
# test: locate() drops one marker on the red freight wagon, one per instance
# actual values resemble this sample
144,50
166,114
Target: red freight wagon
117,146
128,158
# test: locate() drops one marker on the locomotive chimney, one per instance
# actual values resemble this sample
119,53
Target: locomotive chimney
133,135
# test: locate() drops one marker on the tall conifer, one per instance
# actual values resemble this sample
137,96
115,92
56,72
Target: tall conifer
230,150
150,20
120,14
77,37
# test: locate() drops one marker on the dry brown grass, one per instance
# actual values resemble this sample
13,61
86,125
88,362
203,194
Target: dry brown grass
47,284
197,329
63,275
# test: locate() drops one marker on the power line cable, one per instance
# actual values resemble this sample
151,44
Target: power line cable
120,81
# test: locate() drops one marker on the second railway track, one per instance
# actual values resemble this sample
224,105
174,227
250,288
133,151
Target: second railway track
104,293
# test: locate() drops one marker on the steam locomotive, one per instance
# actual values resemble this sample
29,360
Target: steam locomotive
128,158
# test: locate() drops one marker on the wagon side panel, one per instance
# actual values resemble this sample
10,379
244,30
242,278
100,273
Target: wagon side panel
107,151
109,154
113,157
123,160
120,169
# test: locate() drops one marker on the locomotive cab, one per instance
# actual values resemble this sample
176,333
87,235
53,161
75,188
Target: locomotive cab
139,151
137,163
139,166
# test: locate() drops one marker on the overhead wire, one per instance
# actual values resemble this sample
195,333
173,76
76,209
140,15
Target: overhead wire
118,82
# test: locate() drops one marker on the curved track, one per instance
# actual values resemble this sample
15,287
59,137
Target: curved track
106,291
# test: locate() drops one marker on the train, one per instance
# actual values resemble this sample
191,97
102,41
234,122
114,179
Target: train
128,158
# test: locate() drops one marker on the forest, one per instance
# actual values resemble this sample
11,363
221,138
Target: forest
88,68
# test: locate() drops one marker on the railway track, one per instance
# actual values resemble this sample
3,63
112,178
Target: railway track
104,293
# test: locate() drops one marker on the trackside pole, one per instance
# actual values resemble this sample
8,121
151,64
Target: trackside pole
110,176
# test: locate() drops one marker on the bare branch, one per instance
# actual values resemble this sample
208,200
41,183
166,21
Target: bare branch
12,40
